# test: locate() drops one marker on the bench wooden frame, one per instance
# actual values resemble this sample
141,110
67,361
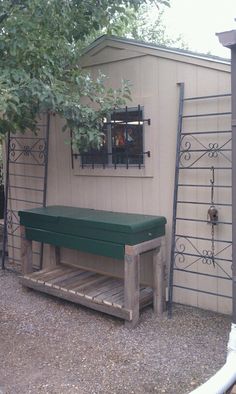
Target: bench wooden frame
134,297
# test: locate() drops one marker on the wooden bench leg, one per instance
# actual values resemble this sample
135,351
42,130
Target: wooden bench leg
131,288
54,256
26,253
158,281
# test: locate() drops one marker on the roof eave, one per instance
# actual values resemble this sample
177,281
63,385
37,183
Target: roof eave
162,48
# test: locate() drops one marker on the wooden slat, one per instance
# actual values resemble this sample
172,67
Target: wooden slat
143,247
49,273
105,295
108,285
146,297
116,291
46,277
119,297
146,290
92,283
108,295
72,281
58,279
40,275
67,295
101,287
36,274
83,278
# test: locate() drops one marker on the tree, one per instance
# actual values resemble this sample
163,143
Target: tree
151,29
40,46
145,24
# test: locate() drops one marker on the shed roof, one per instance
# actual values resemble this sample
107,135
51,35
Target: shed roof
94,53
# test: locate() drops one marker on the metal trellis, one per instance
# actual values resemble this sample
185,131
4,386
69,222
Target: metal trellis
202,179
25,187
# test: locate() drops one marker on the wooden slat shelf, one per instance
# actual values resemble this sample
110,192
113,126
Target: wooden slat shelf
87,288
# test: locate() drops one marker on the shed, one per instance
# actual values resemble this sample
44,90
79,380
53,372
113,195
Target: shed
144,181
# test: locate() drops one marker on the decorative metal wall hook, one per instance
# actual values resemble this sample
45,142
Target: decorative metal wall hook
212,181
212,215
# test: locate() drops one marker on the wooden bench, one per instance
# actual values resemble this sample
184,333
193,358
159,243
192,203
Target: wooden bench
121,236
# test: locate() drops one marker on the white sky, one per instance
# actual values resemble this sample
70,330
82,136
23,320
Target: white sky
198,21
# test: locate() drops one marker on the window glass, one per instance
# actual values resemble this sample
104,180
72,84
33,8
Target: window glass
127,141
122,142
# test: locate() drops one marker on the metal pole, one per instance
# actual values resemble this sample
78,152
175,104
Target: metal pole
45,179
6,186
46,162
171,275
228,39
233,87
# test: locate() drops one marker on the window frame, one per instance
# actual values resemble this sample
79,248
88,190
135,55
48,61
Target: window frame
109,156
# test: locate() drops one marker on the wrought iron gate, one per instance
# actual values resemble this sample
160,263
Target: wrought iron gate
202,211
25,188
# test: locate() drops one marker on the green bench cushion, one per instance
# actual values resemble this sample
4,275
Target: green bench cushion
98,232
101,248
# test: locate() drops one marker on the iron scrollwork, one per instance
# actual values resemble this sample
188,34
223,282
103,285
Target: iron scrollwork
13,223
187,254
192,150
34,148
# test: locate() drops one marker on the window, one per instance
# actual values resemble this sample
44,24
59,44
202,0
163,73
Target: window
122,143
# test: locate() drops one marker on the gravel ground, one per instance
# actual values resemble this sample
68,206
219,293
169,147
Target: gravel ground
51,346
